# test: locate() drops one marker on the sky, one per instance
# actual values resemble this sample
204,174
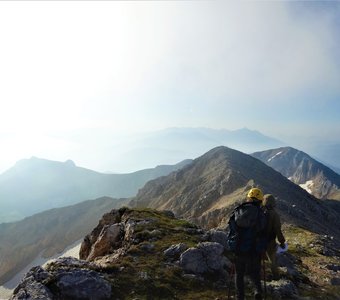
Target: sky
71,69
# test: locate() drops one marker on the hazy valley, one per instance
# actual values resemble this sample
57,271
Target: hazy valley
45,184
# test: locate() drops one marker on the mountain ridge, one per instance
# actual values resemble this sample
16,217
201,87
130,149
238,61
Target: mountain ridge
224,176
45,184
302,169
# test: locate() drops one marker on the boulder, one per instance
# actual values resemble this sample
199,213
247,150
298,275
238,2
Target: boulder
65,278
82,284
217,236
205,258
31,287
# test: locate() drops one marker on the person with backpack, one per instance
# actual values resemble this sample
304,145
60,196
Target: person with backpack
247,240
273,232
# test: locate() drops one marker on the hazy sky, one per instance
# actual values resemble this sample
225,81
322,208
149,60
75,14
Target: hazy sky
133,66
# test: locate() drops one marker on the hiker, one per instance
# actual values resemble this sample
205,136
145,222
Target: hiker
273,232
247,240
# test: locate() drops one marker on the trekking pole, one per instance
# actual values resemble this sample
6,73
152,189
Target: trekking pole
264,279
231,275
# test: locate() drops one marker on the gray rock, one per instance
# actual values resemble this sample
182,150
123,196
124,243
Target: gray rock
217,236
82,284
31,287
64,279
192,261
212,253
206,258
33,290
175,251
68,262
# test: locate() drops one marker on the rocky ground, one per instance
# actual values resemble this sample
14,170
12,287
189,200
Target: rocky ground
148,254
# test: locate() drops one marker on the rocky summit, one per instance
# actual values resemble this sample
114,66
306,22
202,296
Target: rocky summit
303,170
149,254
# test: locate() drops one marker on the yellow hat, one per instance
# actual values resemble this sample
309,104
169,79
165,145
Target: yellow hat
255,193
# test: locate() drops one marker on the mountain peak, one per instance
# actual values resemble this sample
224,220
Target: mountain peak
207,190
302,169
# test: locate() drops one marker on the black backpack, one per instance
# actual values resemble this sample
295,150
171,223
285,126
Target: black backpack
247,229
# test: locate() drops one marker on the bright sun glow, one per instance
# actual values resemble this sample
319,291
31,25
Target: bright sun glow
69,68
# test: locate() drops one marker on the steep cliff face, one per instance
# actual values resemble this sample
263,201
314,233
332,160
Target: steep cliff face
148,254
206,191
300,168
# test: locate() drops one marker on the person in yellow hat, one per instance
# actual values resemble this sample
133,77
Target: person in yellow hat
246,224
273,232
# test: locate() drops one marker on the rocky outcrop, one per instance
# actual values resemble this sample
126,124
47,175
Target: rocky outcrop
148,254
131,251
66,278
100,239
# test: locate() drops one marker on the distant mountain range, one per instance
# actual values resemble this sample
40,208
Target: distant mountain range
35,185
300,168
175,144
172,145
48,233
206,191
